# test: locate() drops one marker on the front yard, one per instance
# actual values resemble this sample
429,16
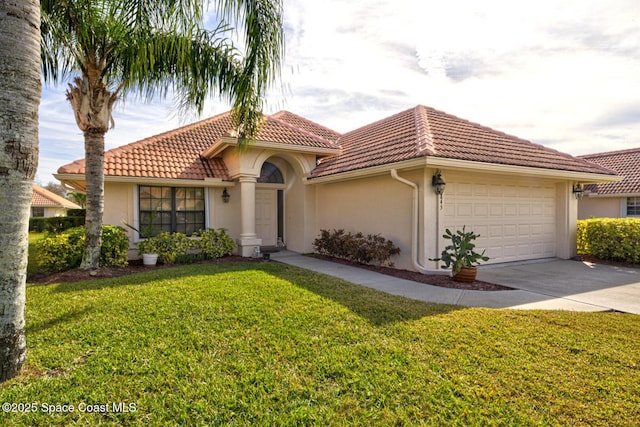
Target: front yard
269,344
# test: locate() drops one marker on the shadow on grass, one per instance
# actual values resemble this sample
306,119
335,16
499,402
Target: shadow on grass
377,307
63,318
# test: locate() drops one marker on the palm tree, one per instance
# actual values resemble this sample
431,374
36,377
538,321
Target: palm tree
79,198
19,101
115,47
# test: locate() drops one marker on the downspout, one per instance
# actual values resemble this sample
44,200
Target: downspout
414,227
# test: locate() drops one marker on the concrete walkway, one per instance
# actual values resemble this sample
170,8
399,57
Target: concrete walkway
549,285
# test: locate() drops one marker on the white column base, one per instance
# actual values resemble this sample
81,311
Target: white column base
246,246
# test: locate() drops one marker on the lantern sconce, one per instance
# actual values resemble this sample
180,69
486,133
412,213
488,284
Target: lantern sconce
578,191
438,184
225,195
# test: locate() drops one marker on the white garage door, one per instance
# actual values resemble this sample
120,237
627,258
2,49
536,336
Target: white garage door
515,220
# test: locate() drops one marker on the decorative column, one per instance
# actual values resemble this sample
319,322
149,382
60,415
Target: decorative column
248,238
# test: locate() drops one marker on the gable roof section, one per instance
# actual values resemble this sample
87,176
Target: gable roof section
289,129
625,163
182,153
43,198
423,131
307,125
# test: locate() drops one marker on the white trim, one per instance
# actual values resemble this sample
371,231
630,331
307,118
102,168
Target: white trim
207,198
496,168
170,182
136,213
225,142
453,164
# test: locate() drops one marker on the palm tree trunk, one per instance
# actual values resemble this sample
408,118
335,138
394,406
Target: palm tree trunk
19,101
94,176
92,103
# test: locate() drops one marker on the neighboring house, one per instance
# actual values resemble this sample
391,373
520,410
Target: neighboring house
299,177
46,203
613,199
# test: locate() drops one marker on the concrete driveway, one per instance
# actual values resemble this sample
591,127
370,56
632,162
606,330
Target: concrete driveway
568,284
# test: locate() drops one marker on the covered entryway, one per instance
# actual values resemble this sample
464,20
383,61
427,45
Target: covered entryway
267,216
516,220
269,206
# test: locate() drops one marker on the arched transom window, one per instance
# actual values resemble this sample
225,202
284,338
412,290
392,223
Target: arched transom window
270,174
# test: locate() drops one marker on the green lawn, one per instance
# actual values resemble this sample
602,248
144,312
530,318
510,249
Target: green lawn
269,344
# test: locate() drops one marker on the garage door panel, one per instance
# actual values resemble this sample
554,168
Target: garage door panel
515,221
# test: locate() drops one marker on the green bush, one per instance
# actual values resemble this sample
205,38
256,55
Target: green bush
54,224
115,246
356,247
63,251
77,213
178,248
168,246
615,239
215,243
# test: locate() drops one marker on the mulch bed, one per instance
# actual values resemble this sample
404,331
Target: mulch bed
134,266
442,280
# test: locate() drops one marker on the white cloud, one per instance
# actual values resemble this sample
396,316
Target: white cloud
564,74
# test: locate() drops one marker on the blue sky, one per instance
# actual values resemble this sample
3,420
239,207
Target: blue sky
565,74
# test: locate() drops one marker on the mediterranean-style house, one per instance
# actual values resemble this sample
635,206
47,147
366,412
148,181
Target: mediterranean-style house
299,177
613,199
45,203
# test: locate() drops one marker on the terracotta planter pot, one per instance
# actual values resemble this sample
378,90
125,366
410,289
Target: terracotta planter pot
466,275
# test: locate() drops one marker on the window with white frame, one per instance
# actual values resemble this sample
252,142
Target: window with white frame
173,209
633,206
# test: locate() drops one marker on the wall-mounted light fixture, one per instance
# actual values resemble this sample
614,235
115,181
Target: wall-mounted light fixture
578,191
225,195
438,184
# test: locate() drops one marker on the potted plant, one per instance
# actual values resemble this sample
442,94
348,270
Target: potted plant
460,255
146,247
149,251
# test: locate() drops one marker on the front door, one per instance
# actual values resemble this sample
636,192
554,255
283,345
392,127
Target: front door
267,216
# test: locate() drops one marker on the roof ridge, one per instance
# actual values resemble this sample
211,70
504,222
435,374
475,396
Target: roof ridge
424,137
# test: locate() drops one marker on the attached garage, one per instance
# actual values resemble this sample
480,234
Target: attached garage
515,220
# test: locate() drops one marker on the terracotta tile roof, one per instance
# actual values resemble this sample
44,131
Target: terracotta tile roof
307,125
177,154
43,198
283,129
174,154
423,131
625,163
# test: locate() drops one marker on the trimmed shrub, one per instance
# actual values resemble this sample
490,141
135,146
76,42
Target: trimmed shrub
357,247
82,213
63,251
115,246
615,239
215,243
54,224
169,246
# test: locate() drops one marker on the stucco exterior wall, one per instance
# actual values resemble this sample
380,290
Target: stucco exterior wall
119,207
222,214
375,205
599,207
54,211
